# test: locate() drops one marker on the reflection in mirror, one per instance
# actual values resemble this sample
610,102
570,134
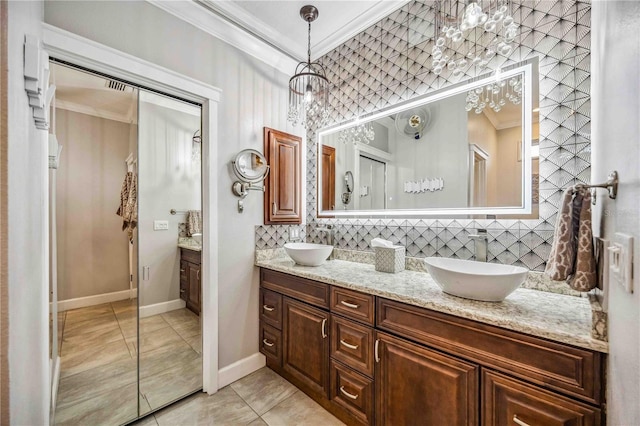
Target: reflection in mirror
250,166
463,150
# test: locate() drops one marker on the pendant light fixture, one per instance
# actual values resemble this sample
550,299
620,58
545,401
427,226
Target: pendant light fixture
309,87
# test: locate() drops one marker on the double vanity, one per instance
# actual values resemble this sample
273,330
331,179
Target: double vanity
377,348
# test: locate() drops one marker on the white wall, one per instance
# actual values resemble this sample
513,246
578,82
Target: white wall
615,94
168,179
254,95
28,240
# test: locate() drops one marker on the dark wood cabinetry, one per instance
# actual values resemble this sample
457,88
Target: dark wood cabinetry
370,360
415,385
283,186
190,279
306,344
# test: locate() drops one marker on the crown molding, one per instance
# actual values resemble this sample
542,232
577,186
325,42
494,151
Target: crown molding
369,17
206,20
96,112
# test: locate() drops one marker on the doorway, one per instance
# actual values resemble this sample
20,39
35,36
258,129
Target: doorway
126,194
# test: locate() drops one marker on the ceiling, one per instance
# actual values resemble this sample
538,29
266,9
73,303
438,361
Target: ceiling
279,22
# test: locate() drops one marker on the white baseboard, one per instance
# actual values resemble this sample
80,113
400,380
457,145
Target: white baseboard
161,308
239,369
83,302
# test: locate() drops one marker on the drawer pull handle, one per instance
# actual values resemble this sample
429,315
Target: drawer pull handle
347,394
375,350
182,270
324,328
268,343
519,422
268,308
348,345
350,305
182,290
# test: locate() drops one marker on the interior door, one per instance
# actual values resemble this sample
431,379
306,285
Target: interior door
169,345
372,185
328,177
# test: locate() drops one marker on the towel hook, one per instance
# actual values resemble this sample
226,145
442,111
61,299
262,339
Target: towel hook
611,185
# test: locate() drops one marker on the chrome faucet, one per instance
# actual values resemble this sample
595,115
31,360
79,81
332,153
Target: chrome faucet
480,245
329,234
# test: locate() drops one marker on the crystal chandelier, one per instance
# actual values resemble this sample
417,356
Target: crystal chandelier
495,95
360,133
486,28
308,88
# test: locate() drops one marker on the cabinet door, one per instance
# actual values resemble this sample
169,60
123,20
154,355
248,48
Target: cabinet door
193,288
306,344
508,401
418,386
282,199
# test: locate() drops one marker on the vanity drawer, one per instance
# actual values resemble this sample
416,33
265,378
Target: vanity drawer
353,304
352,391
271,343
564,368
271,308
312,292
352,344
192,256
506,401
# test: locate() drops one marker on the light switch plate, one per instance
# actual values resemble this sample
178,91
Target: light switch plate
160,225
294,234
621,261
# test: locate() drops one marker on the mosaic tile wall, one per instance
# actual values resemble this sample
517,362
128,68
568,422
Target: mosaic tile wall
390,63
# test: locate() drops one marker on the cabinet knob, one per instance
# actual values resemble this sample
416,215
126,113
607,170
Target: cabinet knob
268,343
182,270
268,308
347,394
348,345
324,328
376,352
182,290
519,422
350,305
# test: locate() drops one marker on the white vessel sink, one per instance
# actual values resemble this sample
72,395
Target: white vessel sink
308,254
197,238
489,282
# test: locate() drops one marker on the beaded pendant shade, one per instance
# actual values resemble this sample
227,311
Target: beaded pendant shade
309,87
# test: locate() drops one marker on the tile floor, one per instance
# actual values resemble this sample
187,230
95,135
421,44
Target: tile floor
261,398
99,357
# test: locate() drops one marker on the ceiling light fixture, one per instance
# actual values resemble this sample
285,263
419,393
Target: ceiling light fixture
495,95
485,28
309,87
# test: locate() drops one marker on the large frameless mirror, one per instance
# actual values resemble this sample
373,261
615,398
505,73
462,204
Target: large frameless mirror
469,149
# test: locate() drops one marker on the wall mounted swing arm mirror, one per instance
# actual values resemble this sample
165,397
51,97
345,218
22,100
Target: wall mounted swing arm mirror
251,168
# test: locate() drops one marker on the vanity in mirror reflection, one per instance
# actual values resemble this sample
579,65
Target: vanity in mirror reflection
469,149
126,235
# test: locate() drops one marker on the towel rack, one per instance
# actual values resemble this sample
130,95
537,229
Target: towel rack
611,185
174,211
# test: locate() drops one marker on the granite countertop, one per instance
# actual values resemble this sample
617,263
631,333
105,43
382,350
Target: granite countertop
189,244
558,317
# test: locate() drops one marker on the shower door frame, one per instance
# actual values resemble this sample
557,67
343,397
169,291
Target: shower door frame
82,52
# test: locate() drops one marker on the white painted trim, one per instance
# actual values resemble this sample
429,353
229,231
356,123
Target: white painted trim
87,53
94,56
153,98
160,308
85,109
83,302
54,387
241,368
207,21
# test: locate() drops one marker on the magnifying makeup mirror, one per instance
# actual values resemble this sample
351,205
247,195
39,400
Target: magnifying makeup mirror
348,186
251,167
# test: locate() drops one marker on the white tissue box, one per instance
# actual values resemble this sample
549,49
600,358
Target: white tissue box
390,259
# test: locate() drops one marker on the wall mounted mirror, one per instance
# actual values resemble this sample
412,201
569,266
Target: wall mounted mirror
466,150
251,167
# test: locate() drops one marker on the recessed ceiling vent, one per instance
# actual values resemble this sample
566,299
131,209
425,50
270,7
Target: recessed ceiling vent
117,85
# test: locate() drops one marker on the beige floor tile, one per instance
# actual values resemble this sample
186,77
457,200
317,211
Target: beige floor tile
195,342
81,337
223,408
74,360
89,325
143,404
153,363
180,316
130,326
96,381
162,339
89,312
133,349
167,386
258,422
188,329
147,421
263,389
299,409
113,408
125,305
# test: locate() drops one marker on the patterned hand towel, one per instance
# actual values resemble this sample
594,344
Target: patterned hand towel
572,256
194,222
128,208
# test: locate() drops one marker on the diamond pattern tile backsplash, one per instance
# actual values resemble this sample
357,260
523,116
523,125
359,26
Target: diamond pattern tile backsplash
390,62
